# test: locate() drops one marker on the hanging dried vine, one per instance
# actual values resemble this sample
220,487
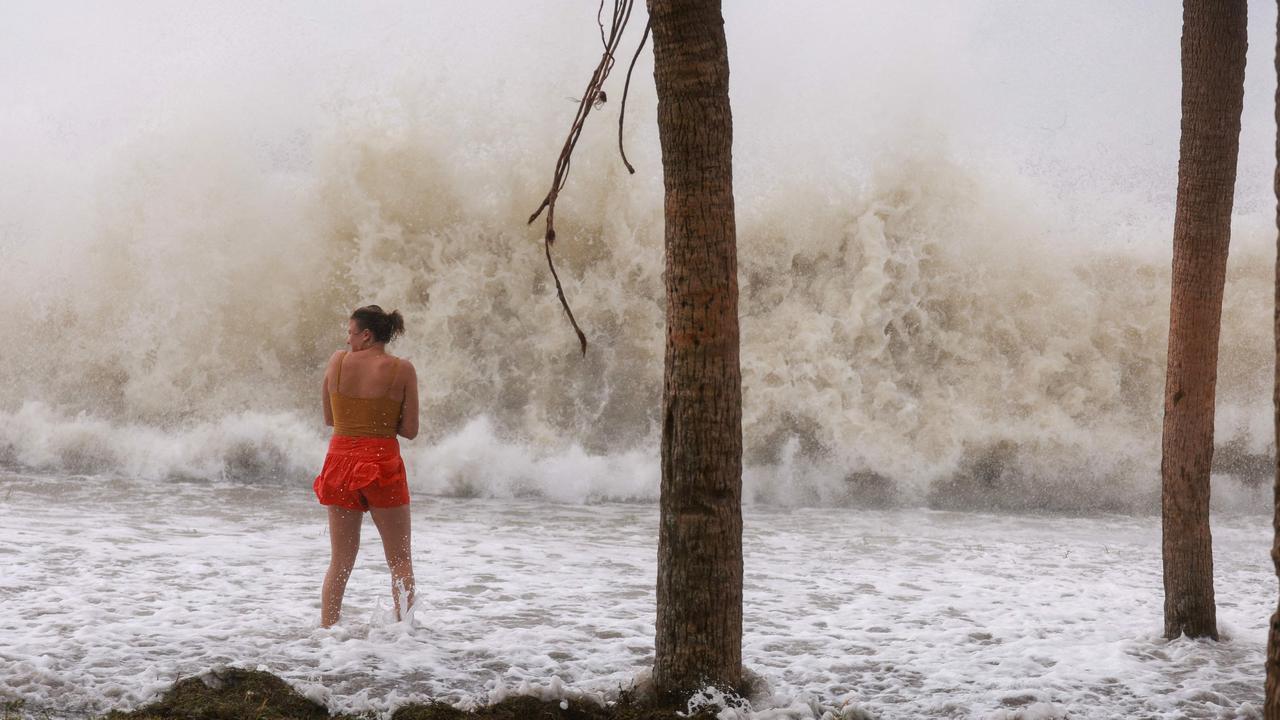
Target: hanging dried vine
593,97
626,90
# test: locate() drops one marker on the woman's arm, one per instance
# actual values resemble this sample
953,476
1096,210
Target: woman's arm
324,388
409,410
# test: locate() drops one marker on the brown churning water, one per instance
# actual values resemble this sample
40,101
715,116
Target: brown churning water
953,249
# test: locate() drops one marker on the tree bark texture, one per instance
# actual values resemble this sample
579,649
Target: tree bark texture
1213,58
1271,702
699,593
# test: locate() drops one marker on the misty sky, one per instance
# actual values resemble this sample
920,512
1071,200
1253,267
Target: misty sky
1082,93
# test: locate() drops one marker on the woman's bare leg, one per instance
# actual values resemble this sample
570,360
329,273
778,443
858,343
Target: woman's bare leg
393,526
344,542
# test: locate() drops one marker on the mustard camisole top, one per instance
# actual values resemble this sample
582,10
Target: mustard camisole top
364,417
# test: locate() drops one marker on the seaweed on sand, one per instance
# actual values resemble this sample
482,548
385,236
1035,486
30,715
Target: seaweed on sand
239,694
231,694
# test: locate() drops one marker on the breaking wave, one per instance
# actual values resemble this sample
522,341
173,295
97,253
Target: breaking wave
924,318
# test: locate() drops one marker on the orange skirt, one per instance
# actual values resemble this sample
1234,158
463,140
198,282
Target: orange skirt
362,472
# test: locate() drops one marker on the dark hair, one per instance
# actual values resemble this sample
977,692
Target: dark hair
385,326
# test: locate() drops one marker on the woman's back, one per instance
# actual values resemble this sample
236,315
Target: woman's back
366,393
368,375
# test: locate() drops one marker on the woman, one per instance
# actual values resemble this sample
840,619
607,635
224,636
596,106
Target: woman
369,397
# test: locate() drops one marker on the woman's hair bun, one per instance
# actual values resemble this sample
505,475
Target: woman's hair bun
385,326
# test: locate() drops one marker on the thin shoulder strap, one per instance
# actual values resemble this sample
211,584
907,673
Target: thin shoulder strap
395,374
337,375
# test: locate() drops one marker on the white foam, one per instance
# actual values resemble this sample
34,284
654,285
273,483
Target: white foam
478,460
110,590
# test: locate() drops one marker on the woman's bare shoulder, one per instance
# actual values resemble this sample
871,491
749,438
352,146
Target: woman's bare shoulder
406,367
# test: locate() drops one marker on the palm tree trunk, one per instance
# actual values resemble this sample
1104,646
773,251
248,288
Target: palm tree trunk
1271,704
1213,58
699,593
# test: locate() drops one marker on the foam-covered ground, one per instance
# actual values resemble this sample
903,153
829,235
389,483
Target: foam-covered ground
111,589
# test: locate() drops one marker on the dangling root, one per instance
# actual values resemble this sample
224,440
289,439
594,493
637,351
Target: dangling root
593,97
